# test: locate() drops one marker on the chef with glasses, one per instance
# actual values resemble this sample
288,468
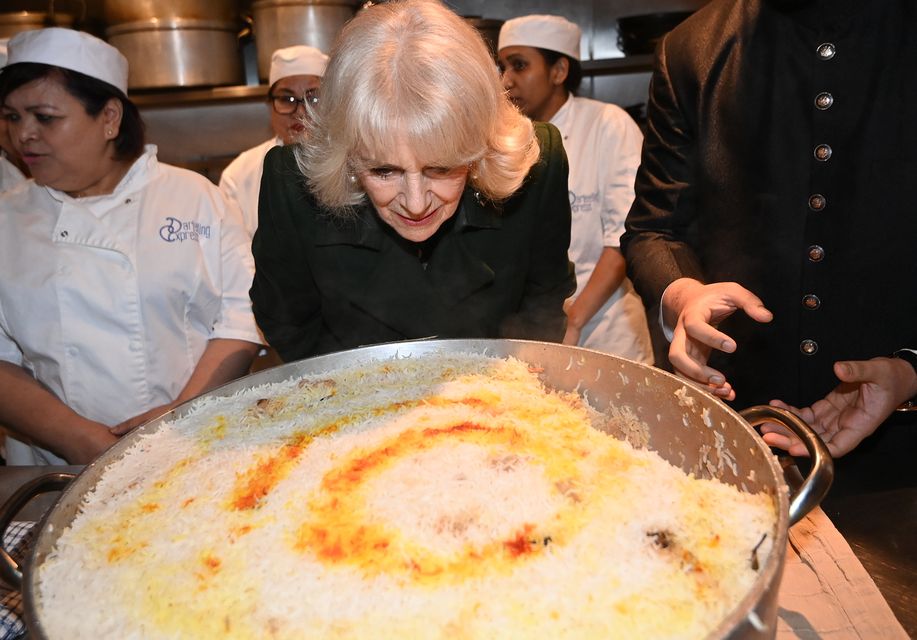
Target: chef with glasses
295,75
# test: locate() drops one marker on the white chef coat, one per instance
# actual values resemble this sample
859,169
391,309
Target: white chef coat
110,301
10,175
240,182
603,148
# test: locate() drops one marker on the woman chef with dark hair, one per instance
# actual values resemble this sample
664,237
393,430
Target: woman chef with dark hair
123,281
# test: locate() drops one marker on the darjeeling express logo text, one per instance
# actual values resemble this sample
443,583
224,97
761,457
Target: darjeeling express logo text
583,203
174,230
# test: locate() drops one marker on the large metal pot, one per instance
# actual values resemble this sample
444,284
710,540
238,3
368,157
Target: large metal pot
121,11
284,23
14,22
685,425
179,52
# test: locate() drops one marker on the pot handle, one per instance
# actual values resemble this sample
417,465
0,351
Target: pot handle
815,486
10,571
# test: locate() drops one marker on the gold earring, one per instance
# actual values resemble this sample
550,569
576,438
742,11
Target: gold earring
109,133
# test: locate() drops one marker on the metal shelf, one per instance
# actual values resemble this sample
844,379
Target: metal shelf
642,63
197,96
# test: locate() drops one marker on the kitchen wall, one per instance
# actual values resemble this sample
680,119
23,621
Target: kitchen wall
205,129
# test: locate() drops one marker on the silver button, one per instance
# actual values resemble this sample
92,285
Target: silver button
826,50
811,302
135,345
808,347
817,202
823,152
824,100
816,253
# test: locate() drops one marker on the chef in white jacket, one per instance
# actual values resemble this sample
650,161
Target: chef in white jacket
539,58
295,75
123,281
11,171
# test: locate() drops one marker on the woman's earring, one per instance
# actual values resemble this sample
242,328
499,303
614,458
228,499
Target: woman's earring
352,178
109,132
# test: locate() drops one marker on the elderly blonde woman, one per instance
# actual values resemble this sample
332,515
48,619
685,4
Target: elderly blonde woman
422,203
122,280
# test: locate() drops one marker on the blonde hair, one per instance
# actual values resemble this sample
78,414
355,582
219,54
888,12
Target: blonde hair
414,68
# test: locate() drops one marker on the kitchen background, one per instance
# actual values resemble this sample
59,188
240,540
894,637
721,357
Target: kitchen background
180,49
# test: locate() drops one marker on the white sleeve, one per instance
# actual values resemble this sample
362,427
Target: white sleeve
622,145
237,270
9,350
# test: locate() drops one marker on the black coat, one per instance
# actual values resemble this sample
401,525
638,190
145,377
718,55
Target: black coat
325,283
736,185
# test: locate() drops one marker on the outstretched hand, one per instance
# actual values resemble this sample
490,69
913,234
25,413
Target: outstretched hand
870,390
695,309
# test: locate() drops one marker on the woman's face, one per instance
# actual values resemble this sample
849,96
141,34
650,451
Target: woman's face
288,126
533,85
413,199
64,147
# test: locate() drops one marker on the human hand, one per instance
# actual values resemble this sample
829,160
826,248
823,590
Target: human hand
695,309
870,390
146,416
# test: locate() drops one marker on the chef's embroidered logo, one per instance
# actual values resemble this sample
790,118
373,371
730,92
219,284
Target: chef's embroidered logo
583,202
174,230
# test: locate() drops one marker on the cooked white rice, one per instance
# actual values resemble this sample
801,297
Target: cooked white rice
416,498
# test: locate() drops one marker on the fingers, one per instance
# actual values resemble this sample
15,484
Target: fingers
855,370
753,307
791,445
698,328
689,361
121,429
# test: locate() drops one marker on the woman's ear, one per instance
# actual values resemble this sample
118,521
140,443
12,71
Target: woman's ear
111,118
559,71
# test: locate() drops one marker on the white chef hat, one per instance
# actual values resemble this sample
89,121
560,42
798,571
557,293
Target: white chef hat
543,32
298,60
71,49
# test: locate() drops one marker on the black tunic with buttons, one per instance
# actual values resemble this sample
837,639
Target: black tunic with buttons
325,283
780,151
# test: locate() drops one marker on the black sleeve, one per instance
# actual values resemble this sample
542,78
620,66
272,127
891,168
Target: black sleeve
285,300
657,228
551,278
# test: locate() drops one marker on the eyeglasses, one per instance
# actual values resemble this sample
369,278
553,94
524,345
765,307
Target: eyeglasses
285,105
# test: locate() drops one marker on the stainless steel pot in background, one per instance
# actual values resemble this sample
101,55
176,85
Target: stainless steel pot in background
14,22
284,23
122,11
687,426
177,43
179,52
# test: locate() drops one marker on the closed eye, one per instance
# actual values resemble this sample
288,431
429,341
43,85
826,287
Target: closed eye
383,172
437,172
